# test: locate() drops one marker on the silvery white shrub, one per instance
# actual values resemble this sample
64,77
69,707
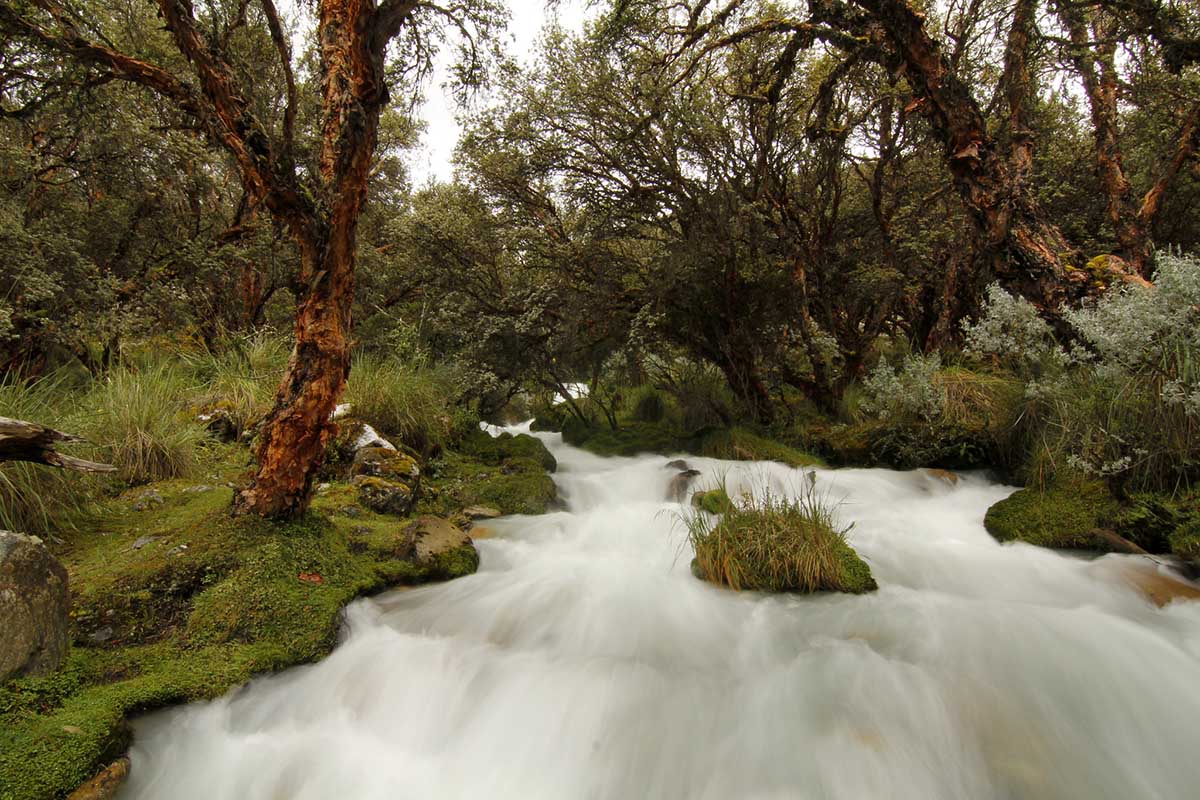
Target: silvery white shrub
1012,330
910,389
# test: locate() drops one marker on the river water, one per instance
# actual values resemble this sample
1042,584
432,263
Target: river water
585,661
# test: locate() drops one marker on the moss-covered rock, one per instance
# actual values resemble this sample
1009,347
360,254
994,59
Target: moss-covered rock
714,501
740,444
498,450
778,545
1066,515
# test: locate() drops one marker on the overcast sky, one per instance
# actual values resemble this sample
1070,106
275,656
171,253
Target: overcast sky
432,158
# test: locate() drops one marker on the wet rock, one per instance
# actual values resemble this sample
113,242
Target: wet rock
34,604
384,496
147,500
1160,585
943,475
142,541
441,547
678,464
105,785
678,488
481,512
221,425
382,462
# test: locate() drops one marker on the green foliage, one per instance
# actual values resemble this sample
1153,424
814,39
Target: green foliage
714,501
240,380
34,498
776,544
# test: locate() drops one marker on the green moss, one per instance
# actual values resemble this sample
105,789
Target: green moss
1062,516
715,501
497,450
1185,539
204,605
740,444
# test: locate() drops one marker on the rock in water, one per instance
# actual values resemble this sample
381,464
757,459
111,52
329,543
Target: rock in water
105,785
441,547
677,490
34,603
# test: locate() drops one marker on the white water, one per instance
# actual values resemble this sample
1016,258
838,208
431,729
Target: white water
584,661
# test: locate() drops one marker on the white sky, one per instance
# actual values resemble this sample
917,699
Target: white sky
431,159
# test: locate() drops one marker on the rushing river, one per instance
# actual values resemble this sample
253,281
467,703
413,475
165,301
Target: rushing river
585,661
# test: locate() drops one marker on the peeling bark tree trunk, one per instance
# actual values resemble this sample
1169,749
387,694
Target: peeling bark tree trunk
300,425
1029,254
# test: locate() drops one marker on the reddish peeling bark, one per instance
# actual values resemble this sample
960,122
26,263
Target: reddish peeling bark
321,215
293,440
1093,40
1029,253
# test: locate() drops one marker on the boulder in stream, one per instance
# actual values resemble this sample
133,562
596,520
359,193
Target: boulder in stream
34,604
678,488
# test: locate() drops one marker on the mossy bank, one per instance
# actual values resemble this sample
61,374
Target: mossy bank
176,600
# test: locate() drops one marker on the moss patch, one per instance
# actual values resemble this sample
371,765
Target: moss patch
514,486
714,501
740,444
182,602
734,444
1063,516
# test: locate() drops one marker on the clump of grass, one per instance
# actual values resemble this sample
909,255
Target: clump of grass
408,400
35,498
241,381
140,421
778,544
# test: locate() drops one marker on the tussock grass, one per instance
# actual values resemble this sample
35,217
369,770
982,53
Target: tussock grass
141,422
35,498
242,380
408,400
778,544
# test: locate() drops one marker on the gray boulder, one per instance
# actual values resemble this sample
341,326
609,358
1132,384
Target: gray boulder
34,606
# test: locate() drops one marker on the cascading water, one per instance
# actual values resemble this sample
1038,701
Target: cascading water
585,661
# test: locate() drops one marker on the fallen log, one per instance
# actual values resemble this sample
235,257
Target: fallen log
29,441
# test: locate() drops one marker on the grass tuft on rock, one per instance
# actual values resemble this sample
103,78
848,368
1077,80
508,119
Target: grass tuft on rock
778,544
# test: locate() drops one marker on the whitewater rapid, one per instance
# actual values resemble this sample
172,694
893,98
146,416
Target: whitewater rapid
583,660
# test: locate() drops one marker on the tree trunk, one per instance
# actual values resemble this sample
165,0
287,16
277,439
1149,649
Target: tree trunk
294,435
1029,253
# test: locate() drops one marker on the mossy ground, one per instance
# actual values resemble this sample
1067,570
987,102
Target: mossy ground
507,473
182,601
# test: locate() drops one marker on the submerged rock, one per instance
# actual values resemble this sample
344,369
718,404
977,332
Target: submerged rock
481,512
34,604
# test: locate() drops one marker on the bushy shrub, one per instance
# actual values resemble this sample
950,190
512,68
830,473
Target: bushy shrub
778,544
1125,404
